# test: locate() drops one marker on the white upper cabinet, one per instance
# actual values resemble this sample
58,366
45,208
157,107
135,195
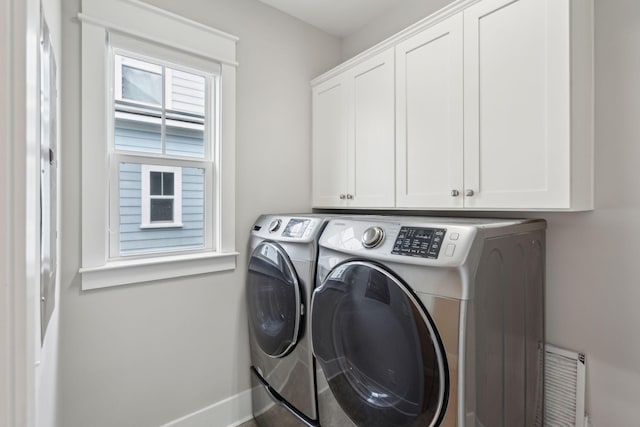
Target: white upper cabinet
353,136
429,120
330,151
517,80
493,111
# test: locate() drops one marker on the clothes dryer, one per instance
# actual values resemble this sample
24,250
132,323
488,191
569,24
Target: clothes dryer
429,322
280,280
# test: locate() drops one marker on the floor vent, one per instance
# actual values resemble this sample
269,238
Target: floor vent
564,386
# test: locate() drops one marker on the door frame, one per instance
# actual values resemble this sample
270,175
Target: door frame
19,180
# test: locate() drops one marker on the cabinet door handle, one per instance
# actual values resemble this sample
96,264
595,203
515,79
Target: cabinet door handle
342,197
455,193
350,196
469,193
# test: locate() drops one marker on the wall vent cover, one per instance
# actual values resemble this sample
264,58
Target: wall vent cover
564,388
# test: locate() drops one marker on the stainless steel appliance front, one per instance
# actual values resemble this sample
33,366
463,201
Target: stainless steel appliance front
280,280
439,324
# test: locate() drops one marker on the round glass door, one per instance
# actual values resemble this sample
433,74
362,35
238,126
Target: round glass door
273,299
378,348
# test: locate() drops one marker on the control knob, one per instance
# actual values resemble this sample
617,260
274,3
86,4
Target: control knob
372,237
274,225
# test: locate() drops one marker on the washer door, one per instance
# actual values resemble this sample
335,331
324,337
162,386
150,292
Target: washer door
273,299
378,348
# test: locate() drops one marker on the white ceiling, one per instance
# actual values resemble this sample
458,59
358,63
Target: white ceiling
337,17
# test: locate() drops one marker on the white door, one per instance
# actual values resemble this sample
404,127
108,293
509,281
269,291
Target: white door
429,117
517,104
371,126
329,150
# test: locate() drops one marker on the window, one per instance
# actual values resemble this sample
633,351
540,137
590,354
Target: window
158,145
163,136
161,196
156,104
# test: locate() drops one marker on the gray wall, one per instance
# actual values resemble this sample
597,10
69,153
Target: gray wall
593,281
406,13
144,355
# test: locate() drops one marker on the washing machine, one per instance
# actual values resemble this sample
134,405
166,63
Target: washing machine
280,280
429,322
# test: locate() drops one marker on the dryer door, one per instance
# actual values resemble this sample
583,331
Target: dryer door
273,299
378,348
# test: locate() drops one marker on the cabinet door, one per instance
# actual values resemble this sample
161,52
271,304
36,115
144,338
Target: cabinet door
371,132
329,147
517,104
429,120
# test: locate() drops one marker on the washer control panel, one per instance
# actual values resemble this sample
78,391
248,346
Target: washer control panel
296,227
419,242
288,228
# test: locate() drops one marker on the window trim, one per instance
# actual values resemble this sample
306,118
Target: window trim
146,196
137,22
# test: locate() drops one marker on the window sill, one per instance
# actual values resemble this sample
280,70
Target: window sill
160,225
117,273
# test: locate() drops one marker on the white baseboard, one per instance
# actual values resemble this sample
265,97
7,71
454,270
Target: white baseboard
229,412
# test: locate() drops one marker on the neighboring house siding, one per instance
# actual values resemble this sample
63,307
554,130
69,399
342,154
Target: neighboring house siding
187,92
146,139
133,239
185,142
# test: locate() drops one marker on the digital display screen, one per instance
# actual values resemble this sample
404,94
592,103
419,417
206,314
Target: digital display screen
296,227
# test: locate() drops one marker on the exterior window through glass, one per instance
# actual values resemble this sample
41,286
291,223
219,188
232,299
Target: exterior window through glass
161,196
161,183
141,85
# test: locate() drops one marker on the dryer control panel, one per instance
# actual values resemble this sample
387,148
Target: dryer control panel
419,242
437,242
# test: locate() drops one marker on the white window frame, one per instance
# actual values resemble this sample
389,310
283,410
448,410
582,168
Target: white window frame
140,27
121,45
130,49
145,171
